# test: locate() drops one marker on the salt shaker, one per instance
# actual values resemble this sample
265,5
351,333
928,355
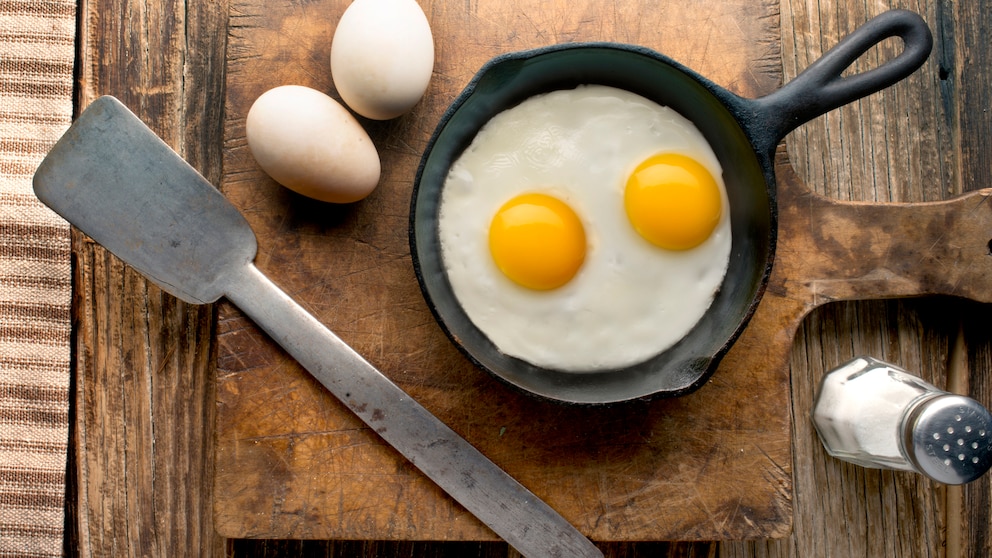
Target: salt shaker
878,415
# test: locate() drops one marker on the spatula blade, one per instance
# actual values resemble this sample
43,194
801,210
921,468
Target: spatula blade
119,183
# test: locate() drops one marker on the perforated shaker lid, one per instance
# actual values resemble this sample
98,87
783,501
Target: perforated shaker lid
949,439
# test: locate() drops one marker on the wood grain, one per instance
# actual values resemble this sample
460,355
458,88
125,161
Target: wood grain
143,400
928,142
905,144
293,462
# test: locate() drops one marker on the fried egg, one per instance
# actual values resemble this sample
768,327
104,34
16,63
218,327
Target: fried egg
585,229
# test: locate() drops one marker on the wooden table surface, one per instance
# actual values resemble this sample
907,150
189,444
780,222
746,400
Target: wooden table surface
144,391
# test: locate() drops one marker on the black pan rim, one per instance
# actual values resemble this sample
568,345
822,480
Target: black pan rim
733,104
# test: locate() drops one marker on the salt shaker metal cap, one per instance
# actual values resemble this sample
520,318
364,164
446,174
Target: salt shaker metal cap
949,438
878,415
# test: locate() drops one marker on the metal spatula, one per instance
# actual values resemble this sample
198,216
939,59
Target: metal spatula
116,181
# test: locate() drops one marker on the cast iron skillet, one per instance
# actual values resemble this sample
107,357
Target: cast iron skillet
743,133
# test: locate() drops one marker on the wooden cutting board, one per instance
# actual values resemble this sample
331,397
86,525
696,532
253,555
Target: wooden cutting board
716,464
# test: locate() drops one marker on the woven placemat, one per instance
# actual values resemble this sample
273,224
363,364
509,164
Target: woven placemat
37,46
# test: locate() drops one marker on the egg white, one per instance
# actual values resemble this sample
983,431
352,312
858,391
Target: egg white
630,300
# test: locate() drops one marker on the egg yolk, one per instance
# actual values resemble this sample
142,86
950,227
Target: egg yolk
673,201
537,241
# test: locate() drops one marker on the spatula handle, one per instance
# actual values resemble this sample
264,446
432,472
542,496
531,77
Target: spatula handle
503,504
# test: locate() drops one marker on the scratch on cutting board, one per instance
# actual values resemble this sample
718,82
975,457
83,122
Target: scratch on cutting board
827,290
300,435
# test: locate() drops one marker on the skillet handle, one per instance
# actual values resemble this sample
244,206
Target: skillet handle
821,88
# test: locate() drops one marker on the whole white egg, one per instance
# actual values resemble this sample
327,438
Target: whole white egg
382,57
309,143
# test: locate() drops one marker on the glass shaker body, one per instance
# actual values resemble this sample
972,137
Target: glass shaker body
878,415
